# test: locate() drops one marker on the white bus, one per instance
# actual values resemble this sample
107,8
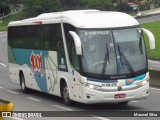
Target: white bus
88,56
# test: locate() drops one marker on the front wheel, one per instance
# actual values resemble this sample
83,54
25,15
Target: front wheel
65,95
23,84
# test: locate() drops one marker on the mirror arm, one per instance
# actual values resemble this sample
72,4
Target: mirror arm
151,38
77,42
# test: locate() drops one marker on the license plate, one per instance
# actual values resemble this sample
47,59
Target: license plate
119,96
109,84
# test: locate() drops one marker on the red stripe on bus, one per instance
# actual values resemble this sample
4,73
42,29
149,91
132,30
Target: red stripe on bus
38,22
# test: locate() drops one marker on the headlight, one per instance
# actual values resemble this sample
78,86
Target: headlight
144,82
91,86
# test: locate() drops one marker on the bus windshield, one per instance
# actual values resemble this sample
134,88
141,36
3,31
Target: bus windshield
113,52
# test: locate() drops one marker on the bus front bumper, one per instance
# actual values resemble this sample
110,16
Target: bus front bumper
93,96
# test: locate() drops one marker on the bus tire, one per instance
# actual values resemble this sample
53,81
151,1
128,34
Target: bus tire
123,103
23,84
65,95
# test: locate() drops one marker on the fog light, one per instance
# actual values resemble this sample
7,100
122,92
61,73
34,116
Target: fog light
88,96
147,92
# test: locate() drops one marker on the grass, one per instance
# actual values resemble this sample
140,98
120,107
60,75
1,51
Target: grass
9,18
154,27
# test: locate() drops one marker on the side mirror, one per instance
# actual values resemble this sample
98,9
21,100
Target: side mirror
77,42
151,38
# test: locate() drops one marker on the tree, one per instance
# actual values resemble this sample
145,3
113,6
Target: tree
97,4
4,7
145,6
157,3
70,4
123,7
14,2
36,7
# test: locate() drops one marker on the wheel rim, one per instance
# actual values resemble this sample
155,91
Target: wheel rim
23,85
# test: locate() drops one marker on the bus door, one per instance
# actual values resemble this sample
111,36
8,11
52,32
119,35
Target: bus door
75,74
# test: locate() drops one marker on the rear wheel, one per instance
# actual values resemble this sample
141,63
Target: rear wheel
65,95
23,84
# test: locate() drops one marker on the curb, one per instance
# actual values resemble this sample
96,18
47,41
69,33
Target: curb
145,16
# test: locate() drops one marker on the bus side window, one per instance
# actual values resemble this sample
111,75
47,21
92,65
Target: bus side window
60,47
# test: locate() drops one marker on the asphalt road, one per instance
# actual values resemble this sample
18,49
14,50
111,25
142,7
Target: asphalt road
36,101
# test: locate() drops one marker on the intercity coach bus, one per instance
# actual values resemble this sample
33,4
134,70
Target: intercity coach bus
87,56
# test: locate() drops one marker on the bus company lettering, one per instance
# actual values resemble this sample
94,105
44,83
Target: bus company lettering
96,32
36,62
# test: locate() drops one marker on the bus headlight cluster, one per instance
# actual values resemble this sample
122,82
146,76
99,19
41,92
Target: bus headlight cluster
91,86
144,82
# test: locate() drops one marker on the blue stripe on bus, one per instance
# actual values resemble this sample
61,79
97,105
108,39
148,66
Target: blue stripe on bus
132,80
139,78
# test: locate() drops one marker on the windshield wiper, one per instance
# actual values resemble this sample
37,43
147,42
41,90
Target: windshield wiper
106,58
140,45
128,65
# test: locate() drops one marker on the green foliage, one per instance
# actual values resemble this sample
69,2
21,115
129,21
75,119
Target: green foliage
69,5
157,3
122,7
145,6
154,28
13,17
14,2
4,7
36,7
4,3
97,4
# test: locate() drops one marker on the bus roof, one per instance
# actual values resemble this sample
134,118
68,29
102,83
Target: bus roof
82,19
